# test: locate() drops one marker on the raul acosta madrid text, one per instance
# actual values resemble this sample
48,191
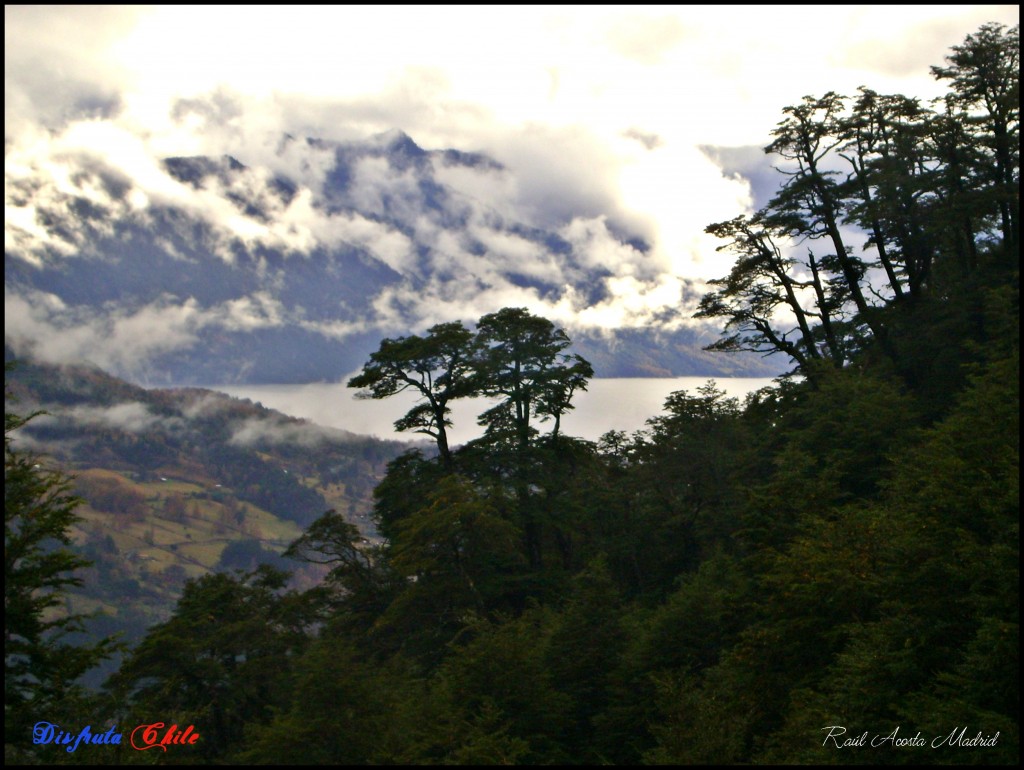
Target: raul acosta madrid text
147,736
957,738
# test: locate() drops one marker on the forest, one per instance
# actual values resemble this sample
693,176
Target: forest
824,573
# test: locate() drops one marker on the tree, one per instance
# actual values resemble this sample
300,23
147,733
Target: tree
437,367
456,555
585,647
935,193
890,190
334,542
499,683
345,709
985,77
765,290
809,205
40,668
521,361
363,579
223,661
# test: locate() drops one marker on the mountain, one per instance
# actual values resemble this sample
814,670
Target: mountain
291,267
178,483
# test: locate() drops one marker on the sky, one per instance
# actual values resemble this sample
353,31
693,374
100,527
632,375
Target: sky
634,115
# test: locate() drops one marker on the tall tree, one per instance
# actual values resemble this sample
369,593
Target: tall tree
437,367
450,555
984,73
768,288
521,360
356,570
223,661
889,190
809,205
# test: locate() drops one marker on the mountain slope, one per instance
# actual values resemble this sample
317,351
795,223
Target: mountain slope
178,483
290,268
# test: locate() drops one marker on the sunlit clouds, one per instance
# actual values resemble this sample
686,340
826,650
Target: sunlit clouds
592,124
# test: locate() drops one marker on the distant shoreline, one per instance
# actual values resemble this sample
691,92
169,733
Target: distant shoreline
610,403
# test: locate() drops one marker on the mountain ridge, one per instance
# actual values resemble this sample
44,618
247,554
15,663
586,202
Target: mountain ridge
291,270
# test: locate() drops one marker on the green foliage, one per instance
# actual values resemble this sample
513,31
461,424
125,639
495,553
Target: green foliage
842,549
584,649
41,666
345,710
935,192
522,363
984,73
456,556
438,367
222,662
765,288
502,673
676,495
514,356
922,589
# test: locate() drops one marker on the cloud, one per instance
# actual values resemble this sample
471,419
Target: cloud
130,416
559,172
277,429
256,311
112,338
115,173
204,403
650,141
455,255
58,65
885,45
120,338
645,39
609,128
751,165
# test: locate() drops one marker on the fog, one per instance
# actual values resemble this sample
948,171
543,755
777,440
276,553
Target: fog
610,404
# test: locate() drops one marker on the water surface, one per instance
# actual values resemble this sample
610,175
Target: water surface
609,404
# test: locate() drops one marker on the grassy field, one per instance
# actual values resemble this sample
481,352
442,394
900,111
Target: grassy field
159,534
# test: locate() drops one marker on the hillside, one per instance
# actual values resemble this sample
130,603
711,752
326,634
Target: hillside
180,483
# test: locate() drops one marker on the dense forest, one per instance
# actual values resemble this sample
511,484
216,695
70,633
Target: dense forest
825,573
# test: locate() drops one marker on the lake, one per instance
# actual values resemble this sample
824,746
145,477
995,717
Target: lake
609,404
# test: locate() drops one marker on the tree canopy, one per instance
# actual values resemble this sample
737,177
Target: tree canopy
930,188
514,356
41,663
839,552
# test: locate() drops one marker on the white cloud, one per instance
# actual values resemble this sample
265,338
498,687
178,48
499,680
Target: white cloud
130,416
598,248
123,339
276,429
257,311
645,39
596,114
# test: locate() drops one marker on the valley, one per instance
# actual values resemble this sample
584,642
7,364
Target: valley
176,484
